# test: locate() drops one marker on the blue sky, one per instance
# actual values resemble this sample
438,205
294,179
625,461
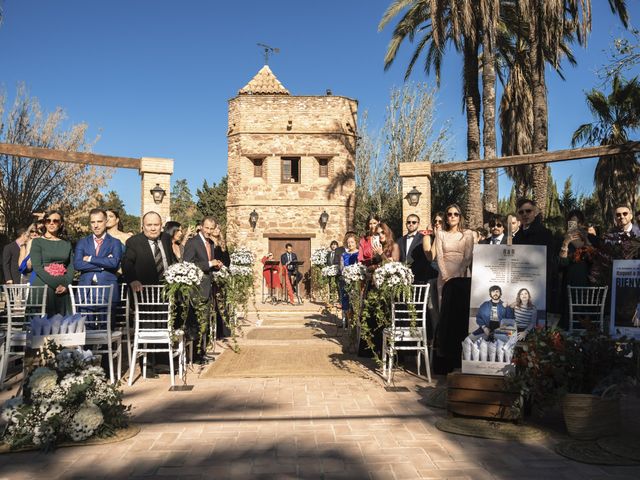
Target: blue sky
152,77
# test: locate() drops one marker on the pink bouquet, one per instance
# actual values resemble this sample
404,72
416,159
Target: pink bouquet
55,269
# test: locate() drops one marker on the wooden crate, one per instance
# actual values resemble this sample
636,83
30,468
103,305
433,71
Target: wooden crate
485,396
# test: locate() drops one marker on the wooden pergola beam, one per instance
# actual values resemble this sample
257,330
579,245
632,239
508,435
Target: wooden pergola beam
69,157
533,158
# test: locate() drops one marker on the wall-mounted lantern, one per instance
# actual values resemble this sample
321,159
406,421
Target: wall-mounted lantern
324,219
158,193
253,219
413,197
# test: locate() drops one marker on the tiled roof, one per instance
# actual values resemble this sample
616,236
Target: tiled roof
264,83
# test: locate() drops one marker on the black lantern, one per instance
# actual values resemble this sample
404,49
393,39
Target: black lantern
413,197
158,193
324,219
253,219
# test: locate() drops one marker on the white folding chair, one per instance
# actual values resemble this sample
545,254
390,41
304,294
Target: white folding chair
23,303
152,334
405,334
586,305
122,312
94,303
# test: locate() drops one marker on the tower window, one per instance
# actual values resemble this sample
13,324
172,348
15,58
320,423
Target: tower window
290,169
257,167
323,167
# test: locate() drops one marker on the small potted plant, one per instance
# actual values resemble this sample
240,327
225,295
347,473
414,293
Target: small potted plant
584,374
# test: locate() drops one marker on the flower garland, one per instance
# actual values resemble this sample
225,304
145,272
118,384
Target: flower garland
183,291
392,281
65,398
353,277
319,282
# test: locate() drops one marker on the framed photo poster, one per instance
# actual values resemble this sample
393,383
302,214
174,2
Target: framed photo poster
625,299
508,298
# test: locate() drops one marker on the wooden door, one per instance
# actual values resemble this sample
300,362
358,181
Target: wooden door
302,248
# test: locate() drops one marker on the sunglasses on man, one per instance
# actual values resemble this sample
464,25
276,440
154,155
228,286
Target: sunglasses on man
495,224
621,214
412,222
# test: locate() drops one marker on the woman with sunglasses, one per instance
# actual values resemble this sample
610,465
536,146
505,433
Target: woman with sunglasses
52,261
454,247
386,249
24,261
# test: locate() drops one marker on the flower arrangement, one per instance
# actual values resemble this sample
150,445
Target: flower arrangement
55,269
242,256
392,274
392,280
354,273
183,290
550,363
235,287
330,271
65,398
319,256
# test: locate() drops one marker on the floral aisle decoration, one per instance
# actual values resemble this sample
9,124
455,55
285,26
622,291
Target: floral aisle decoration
183,291
66,398
319,282
391,281
235,287
353,277
330,276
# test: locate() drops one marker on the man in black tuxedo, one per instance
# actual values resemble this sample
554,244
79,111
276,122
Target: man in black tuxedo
412,253
148,254
288,259
10,256
498,236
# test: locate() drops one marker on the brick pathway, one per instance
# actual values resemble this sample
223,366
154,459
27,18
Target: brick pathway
346,426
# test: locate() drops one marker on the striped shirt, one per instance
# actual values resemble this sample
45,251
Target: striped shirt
525,317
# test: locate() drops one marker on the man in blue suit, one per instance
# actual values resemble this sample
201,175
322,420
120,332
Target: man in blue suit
97,257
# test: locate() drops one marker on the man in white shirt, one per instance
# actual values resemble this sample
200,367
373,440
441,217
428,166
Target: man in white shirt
624,225
498,236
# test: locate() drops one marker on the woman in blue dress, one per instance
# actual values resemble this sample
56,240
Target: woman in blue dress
349,257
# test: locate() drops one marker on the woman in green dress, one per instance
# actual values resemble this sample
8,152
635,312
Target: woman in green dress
52,261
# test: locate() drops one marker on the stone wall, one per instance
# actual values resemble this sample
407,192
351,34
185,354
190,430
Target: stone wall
273,126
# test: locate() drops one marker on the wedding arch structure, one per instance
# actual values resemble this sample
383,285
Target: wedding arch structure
418,174
153,171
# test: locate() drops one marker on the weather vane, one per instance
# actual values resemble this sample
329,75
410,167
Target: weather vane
267,51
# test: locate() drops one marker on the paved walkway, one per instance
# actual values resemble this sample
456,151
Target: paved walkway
343,426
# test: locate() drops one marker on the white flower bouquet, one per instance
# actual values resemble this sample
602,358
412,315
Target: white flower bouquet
242,256
240,271
185,273
65,398
354,273
319,256
392,274
330,271
221,276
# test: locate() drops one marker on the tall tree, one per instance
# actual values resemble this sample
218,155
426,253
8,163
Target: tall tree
489,18
438,23
183,208
616,115
35,185
212,200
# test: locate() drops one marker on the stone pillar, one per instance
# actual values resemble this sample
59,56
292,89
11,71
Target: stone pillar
156,171
416,174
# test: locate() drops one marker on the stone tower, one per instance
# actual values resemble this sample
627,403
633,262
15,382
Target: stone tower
291,158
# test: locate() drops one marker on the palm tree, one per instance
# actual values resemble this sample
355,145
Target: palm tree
489,16
616,176
440,22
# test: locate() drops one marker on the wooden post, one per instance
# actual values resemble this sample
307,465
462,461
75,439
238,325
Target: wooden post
418,175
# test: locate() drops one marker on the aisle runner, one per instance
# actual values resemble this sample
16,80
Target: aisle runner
303,345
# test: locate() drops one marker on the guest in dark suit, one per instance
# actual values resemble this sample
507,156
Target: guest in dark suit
333,257
498,236
10,256
412,252
199,250
148,254
97,257
287,259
